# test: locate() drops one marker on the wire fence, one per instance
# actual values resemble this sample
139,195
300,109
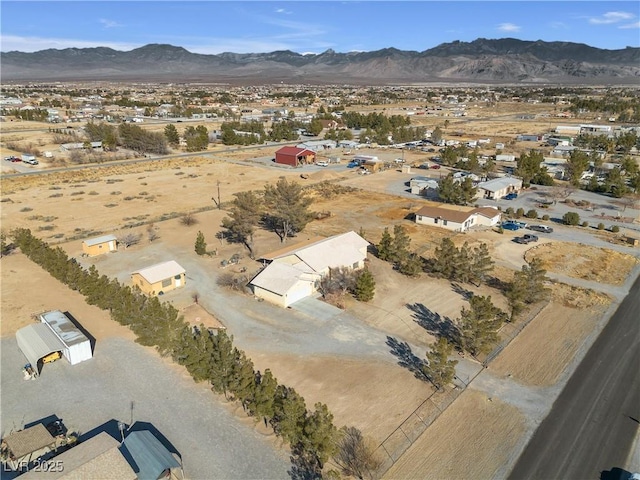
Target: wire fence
399,441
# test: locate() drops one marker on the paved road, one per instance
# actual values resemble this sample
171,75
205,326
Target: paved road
594,421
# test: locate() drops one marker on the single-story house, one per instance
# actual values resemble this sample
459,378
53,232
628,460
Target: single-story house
100,245
318,145
293,272
55,333
160,278
294,156
499,187
425,186
457,219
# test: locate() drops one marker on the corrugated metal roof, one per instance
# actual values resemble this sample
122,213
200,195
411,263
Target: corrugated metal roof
63,328
97,458
29,440
161,271
150,457
500,184
36,341
98,240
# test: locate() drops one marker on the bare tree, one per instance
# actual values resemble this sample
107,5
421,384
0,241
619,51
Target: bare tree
188,220
152,233
356,454
130,239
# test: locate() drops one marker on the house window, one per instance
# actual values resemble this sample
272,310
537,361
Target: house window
435,220
178,277
444,222
355,265
166,283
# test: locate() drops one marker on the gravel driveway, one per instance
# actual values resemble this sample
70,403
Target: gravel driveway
210,440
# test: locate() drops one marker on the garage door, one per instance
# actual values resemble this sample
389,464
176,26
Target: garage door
299,291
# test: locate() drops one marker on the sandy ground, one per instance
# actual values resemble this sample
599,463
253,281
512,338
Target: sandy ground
116,197
471,439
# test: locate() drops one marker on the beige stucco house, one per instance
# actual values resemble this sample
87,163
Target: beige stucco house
457,219
99,245
160,278
292,273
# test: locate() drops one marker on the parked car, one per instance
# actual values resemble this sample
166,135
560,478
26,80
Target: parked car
511,196
31,161
525,239
435,167
353,165
322,163
540,228
511,226
399,160
10,158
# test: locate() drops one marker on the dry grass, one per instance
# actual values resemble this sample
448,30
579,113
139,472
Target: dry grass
584,261
473,438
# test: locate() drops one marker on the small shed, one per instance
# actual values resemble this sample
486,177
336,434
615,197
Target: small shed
150,459
160,278
100,245
76,345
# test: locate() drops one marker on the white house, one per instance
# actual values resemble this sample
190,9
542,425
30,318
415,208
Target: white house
499,187
293,272
457,219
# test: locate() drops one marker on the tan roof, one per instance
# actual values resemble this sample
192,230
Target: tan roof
29,440
161,271
449,214
279,278
94,459
291,249
487,211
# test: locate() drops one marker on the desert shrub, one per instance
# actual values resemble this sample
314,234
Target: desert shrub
56,195
509,211
532,214
571,218
127,198
143,193
545,217
615,228
46,227
601,226
188,220
585,224
92,192
520,212
111,205
232,281
26,209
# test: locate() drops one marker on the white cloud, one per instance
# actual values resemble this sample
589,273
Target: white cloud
508,27
33,44
110,23
631,25
282,10
611,17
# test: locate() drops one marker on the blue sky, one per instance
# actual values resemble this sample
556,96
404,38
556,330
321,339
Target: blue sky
310,26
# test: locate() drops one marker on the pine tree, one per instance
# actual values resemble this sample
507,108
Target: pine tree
263,400
223,361
481,264
385,246
320,434
201,245
462,264
287,208
290,414
412,265
365,286
479,325
439,369
400,244
171,132
243,380
445,258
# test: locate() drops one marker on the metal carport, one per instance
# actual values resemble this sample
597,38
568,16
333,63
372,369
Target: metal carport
37,341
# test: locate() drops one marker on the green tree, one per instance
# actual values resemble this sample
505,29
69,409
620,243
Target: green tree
571,218
244,216
223,362
355,454
528,166
449,190
527,286
171,132
439,369
201,245
315,127
400,245
365,286
577,164
467,191
320,434
385,245
479,325
288,208
436,135
197,138
481,264
290,414
444,259
262,403
411,265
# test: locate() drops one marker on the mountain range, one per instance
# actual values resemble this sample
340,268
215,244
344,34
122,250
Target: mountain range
499,61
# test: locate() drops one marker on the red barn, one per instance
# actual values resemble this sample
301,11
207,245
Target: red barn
295,156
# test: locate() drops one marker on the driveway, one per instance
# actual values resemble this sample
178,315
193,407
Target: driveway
315,308
210,440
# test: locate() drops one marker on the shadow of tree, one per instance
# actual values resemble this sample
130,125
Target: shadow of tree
460,290
303,466
406,357
434,323
495,282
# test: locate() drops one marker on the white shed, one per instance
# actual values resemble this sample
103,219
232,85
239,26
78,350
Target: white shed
76,345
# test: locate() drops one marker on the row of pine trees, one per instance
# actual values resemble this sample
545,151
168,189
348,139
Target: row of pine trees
207,355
